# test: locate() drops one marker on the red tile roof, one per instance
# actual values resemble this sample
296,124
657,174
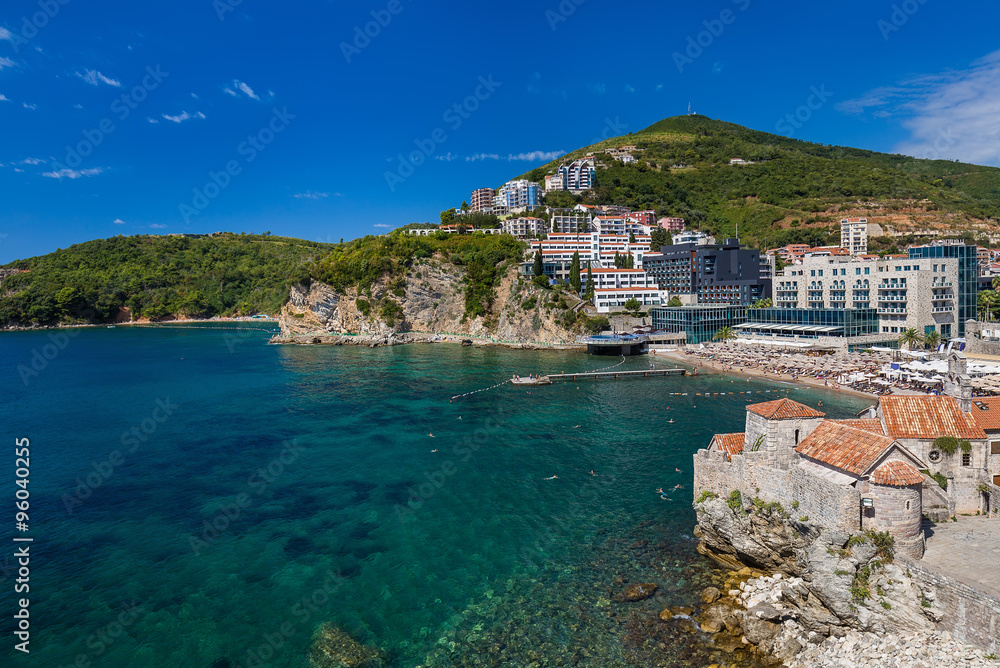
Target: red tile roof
927,417
897,474
843,447
731,444
782,409
873,425
986,412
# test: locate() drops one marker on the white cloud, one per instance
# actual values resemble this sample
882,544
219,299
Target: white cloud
544,156
482,156
157,226
310,195
6,62
4,98
447,157
154,121
629,88
658,88
78,106
238,87
32,161
73,173
381,225
950,115
93,77
5,35
118,221
30,106
183,116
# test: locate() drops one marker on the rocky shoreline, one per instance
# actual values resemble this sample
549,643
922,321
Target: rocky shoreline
376,340
805,597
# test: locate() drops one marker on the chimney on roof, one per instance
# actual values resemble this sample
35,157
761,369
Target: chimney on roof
957,383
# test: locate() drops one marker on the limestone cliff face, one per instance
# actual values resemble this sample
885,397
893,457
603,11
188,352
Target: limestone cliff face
430,298
836,583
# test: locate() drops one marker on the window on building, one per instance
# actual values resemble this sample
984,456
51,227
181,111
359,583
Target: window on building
866,270
966,459
907,505
995,447
858,271
812,272
796,437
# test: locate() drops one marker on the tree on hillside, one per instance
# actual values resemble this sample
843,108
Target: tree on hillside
631,237
659,237
633,307
910,337
725,334
539,268
465,205
674,302
447,216
589,296
574,273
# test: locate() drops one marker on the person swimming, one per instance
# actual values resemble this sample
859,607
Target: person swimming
552,478
670,421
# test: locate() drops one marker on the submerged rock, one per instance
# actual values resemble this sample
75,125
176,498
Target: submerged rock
334,648
639,592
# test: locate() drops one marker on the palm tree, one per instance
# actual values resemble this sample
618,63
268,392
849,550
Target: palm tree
987,302
932,339
910,337
725,334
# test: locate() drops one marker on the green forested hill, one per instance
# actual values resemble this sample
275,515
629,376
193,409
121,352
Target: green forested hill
795,190
155,276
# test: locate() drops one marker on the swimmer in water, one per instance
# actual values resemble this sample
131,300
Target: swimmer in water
670,421
434,450
552,478
592,472
431,435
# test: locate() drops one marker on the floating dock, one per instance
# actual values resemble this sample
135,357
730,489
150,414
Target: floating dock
617,344
612,375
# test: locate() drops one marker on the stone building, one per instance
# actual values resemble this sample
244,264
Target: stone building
845,475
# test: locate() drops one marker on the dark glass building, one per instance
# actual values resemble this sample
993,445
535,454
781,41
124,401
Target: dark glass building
968,275
699,323
717,274
810,323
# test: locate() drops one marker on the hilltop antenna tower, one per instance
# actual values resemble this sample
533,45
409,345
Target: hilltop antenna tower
689,108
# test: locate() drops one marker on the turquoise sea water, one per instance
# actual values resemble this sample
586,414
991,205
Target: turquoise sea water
200,498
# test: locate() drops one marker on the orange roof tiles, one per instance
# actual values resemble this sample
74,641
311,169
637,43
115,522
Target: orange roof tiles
846,448
927,417
986,412
897,474
873,425
782,409
731,444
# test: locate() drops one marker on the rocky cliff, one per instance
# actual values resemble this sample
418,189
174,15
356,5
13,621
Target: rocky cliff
431,298
823,583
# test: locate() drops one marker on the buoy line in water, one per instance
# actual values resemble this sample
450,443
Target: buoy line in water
501,384
227,329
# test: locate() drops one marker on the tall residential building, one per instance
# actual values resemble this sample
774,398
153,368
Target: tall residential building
854,235
671,224
524,227
482,200
613,287
898,293
569,221
966,283
596,250
575,177
713,273
518,195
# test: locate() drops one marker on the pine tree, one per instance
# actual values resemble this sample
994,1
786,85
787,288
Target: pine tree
539,270
574,272
590,285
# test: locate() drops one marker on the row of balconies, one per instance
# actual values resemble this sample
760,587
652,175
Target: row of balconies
892,298
892,310
942,309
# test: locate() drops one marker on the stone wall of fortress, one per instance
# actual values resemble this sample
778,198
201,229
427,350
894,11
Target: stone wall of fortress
826,504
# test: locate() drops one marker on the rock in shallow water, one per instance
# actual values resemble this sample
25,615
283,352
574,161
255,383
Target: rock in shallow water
334,648
640,592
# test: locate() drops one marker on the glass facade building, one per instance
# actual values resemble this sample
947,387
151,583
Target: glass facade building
699,323
968,275
811,323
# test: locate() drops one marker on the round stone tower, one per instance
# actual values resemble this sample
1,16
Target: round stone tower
894,488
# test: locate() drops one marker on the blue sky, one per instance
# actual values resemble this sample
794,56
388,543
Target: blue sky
283,118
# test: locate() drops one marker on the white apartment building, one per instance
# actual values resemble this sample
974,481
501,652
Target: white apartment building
854,235
577,176
911,292
569,221
523,228
516,196
692,237
619,225
613,287
596,250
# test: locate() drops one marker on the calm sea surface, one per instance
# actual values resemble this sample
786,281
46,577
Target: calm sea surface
202,499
